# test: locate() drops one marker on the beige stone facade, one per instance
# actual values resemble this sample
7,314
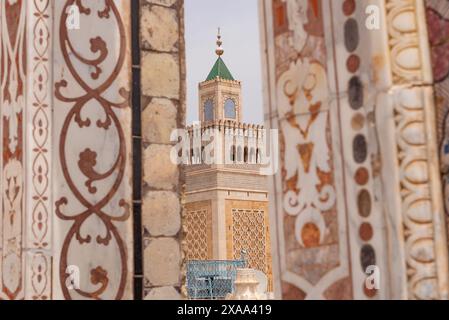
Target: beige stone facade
235,217
218,91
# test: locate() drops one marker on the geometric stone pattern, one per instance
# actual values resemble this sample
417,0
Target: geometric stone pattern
197,228
248,233
248,229
196,239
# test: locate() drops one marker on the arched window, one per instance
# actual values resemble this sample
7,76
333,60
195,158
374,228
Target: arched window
209,110
197,156
229,108
258,156
245,155
239,154
233,154
203,156
252,156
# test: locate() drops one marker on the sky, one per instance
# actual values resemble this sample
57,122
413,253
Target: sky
239,23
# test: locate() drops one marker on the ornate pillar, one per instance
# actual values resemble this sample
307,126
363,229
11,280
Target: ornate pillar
38,151
12,109
68,142
92,176
421,190
359,185
309,220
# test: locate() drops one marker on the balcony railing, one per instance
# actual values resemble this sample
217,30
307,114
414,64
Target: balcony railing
212,279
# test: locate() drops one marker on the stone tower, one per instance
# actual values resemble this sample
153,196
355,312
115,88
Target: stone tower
220,94
226,198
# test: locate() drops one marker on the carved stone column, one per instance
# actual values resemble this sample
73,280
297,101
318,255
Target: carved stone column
38,151
92,176
421,190
13,96
68,142
359,185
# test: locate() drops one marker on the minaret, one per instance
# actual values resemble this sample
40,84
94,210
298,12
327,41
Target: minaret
226,207
220,93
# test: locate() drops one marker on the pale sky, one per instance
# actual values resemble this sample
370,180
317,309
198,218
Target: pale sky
239,23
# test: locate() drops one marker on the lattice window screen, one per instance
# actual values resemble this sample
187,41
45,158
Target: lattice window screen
196,235
249,235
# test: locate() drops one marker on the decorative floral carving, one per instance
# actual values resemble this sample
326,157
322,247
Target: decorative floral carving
103,76
305,86
13,66
308,224
38,182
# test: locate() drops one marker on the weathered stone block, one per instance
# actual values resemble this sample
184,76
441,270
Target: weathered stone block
162,260
159,120
161,213
160,75
159,27
159,171
166,3
163,293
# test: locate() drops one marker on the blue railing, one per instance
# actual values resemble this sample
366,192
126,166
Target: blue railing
212,279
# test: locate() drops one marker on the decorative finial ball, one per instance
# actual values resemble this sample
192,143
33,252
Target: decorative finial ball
219,50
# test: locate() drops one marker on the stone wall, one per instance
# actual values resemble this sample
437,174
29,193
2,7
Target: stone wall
163,109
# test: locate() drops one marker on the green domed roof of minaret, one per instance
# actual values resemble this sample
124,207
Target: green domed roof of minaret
219,69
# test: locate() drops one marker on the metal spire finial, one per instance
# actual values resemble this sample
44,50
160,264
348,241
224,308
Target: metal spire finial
219,50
